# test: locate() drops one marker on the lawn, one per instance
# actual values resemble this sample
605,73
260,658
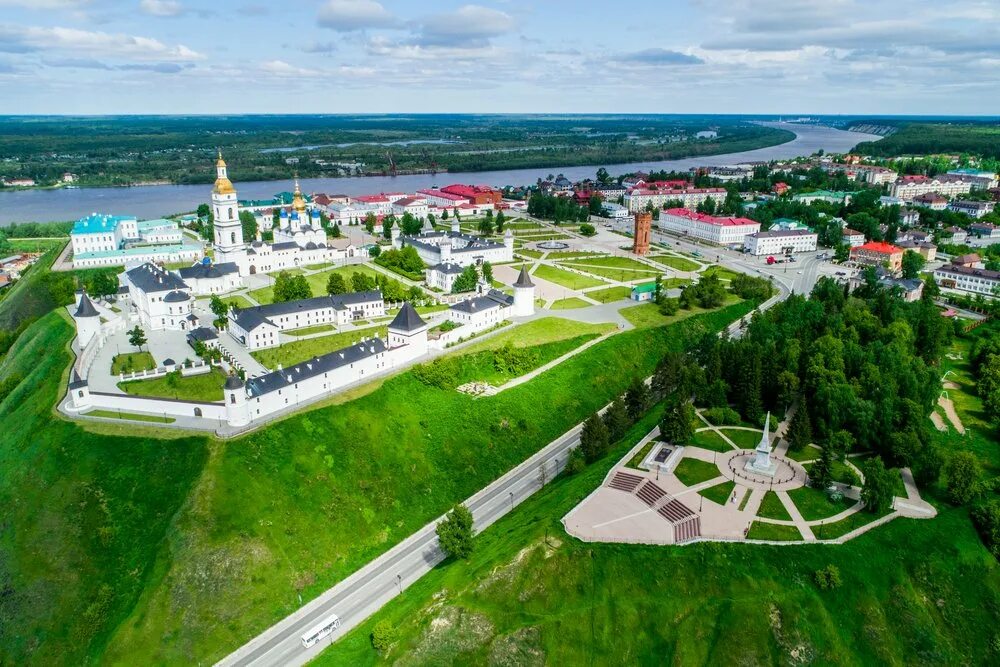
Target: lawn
537,332
621,275
774,532
722,273
803,454
642,454
308,331
317,281
129,362
772,508
815,504
742,439
649,315
238,300
297,351
569,303
610,294
678,263
204,387
527,590
843,474
559,255
692,471
831,531
527,252
709,439
719,493
565,278
131,416
613,262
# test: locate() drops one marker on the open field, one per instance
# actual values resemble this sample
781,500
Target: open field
649,315
300,350
565,278
678,263
204,387
538,332
621,275
568,303
612,262
609,294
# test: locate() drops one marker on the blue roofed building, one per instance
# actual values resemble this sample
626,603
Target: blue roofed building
113,240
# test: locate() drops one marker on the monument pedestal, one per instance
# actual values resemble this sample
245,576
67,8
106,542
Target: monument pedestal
761,463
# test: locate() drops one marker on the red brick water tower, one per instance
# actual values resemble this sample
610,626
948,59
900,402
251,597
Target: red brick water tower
643,224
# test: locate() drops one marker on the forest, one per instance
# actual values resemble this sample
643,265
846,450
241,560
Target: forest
979,138
141,149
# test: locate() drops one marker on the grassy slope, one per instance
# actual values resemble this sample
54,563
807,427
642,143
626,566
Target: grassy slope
914,591
369,473
84,514
204,387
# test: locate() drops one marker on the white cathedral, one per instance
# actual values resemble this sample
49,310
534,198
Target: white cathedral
299,238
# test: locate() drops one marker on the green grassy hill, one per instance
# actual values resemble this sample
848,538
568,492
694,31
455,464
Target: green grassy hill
36,293
913,592
126,550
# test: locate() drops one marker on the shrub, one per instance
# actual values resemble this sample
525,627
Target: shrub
722,416
383,635
961,476
455,532
828,578
987,520
587,229
576,462
513,360
439,373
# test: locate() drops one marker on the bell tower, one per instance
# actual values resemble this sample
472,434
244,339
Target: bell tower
229,244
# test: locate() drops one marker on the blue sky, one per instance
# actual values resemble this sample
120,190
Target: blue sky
350,56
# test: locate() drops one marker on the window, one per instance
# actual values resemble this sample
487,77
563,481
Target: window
232,398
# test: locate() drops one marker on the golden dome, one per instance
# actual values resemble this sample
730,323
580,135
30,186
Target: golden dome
223,186
298,203
220,162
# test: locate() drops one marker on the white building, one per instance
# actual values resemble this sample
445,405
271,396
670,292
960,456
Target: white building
415,206
161,299
638,199
614,211
983,233
967,279
911,186
437,247
258,327
981,179
780,242
353,213
442,276
875,175
299,241
479,313
87,320
207,277
973,209
112,240
718,230
852,238
439,199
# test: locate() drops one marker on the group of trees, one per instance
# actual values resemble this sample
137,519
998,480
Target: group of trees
392,289
406,260
557,209
290,288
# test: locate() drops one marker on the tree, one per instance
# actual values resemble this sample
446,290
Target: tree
361,283
137,337
602,175
219,308
500,221
334,230
249,223
913,262
374,251
877,492
466,280
487,270
486,226
587,229
410,224
336,284
383,635
594,438
821,473
204,211
105,283
455,533
387,223
444,214
800,429
290,288
575,462
594,204
616,419
637,399
370,221
962,473
675,425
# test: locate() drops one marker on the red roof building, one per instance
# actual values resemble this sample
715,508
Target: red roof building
474,194
878,253
779,188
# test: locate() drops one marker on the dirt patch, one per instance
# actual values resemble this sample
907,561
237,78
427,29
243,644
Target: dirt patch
949,385
949,411
453,632
518,649
938,422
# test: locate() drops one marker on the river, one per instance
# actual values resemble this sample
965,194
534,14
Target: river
151,201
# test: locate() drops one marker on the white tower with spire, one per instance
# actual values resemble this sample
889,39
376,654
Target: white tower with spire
761,462
229,245
524,295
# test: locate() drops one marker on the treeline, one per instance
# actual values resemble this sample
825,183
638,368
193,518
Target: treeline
557,209
923,138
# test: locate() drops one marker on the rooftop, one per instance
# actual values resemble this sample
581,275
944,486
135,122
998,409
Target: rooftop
281,379
150,278
96,223
879,247
709,219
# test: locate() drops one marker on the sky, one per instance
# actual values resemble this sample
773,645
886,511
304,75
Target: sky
511,56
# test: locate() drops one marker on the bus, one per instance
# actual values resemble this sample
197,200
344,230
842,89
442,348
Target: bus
322,629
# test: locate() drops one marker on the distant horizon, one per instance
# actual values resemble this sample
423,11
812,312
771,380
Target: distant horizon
777,117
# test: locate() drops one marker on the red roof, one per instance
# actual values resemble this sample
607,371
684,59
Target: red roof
440,194
668,185
709,219
467,190
913,178
689,191
372,199
407,201
880,247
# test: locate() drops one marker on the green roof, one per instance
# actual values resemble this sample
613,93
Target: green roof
141,250
645,287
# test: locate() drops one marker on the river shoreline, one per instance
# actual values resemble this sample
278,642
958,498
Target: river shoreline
152,201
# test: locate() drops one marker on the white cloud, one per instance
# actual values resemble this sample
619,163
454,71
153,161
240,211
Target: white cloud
161,7
282,68
469,25
348,15
72,40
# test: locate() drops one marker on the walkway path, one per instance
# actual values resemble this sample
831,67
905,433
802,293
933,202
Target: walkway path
552,364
